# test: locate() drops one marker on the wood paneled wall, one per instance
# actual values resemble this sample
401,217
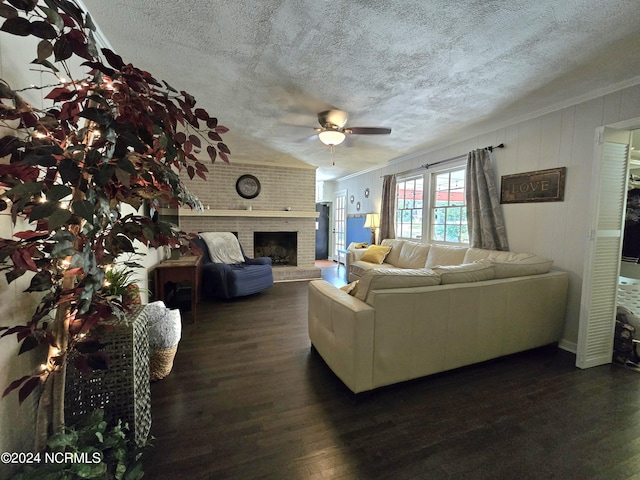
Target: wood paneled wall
564,138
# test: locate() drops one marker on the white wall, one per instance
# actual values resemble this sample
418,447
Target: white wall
16,421
564,138
16,307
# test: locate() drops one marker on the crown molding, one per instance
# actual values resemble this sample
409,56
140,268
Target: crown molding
597,93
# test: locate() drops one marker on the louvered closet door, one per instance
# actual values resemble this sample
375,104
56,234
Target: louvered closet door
598,304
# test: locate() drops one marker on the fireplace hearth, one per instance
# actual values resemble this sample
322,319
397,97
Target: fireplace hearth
281,247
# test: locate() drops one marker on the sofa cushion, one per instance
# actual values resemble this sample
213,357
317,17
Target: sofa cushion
509,264
375,254
445,255
396,247
359,268
466,272
474,254
413,255
395,278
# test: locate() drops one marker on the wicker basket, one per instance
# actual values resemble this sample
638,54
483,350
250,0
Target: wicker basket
122,390
165,329
161,362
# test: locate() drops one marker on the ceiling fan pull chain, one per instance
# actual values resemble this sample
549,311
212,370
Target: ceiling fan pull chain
332,150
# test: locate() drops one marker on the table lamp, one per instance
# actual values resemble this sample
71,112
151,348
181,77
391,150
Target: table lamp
372,221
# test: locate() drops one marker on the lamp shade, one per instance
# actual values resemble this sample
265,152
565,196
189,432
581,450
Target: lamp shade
331,137
372,220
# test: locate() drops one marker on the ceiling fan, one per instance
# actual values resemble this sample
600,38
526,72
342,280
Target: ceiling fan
332,129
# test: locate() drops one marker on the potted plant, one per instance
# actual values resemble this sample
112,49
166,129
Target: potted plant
114,136
101,448
120,285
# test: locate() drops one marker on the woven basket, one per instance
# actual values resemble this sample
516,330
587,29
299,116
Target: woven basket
122,390
165,329
161,362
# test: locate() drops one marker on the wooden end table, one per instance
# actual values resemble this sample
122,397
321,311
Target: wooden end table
183,269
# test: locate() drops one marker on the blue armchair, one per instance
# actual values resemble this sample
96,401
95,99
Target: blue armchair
231,280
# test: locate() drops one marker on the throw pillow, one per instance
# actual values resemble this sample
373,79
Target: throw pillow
375,254
351,288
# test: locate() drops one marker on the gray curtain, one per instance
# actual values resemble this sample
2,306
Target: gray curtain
484,212
388,208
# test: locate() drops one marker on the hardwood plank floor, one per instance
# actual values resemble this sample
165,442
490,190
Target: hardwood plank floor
249,399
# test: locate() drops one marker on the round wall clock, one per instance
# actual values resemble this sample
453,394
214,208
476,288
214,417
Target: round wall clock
248,186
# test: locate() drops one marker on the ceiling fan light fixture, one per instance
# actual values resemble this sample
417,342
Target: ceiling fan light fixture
331,137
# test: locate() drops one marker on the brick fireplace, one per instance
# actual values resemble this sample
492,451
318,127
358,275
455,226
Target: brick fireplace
281,247
286,203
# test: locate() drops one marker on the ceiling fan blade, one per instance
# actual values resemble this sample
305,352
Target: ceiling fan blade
369,130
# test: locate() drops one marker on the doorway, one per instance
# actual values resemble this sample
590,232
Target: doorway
601,274
322,231
339,224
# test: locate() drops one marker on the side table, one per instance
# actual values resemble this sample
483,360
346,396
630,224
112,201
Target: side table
342,252
183,269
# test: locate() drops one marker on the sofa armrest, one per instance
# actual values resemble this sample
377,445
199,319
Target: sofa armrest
218,268
341,329
353,255
258,261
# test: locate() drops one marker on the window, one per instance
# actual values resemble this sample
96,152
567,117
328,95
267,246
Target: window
448,207
409,195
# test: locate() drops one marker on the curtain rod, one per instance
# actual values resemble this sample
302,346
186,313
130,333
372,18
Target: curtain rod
457,157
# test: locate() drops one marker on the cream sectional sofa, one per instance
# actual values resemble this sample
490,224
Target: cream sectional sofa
432,308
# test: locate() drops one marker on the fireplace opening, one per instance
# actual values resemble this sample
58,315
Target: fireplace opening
281,247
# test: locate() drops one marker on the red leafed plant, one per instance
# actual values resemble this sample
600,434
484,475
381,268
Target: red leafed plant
117,136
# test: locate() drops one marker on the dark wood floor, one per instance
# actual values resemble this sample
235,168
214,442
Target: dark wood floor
248,399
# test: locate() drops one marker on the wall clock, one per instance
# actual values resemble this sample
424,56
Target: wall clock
248,186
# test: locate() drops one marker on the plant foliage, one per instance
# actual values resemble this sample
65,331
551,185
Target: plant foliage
94,448
116,136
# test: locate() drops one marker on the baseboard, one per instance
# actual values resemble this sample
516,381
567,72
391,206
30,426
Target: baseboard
565,344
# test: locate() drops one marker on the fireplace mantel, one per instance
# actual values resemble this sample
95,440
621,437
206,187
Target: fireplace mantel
188,212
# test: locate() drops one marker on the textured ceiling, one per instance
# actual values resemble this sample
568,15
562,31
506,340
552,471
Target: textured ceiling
430,70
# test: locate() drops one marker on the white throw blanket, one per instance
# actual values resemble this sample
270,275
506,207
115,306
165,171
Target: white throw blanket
223,247
165,326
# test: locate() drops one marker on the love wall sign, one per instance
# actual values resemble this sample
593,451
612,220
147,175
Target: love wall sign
539,186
